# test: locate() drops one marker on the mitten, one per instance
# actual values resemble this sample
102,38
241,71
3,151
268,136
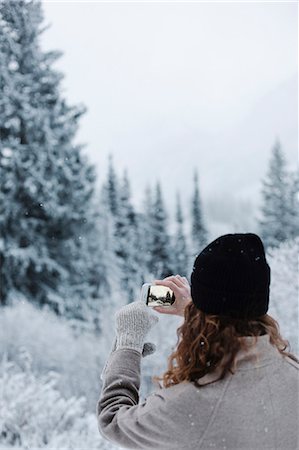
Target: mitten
133,322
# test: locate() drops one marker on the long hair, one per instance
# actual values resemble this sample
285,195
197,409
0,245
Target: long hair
209,343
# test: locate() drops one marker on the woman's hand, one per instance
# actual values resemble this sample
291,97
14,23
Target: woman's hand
182,292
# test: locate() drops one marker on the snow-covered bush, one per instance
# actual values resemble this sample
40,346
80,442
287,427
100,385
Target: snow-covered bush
284,292
34,414
54,346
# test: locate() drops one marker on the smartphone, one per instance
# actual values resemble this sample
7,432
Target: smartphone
157,295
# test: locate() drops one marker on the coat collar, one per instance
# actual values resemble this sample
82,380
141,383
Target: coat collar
258,355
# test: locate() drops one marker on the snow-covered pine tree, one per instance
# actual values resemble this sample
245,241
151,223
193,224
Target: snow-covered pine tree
145,225
126,229
180,251
110,268
293,210
93,265
46,182
198,228
112,187
112,219
129,249
160,257
278,201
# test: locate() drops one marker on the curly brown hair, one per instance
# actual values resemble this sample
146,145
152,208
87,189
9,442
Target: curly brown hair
209,343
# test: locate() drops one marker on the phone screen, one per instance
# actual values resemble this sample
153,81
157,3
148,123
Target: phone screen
159,296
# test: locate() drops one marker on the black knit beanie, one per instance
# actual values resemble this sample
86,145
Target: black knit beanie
231,277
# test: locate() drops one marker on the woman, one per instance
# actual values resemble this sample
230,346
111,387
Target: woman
230,382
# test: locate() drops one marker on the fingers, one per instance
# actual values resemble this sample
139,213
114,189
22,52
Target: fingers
171,284
176,279
162,310
186,280
183,280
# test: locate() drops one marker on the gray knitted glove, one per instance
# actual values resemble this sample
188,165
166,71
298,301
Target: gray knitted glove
133,322
129,334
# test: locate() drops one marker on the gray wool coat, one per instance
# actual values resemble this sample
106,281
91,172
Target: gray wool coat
254,409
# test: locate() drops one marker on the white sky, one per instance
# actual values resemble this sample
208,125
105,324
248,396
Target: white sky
173,86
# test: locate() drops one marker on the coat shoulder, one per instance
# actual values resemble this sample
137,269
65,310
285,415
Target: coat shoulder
171,392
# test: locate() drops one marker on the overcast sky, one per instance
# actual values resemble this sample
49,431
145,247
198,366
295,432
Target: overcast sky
173,86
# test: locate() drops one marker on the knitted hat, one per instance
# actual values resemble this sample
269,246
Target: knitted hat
231,277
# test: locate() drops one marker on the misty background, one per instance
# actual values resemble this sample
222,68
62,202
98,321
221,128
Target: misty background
173,86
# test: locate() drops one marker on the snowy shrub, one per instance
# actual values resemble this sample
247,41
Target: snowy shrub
78,356
54,346
34,414
284,292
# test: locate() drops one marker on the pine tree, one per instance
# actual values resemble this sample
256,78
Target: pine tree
94,266
125,222
160,256
128,242
293,194
180,252
110,265
112,187
145,226
198,229
46,182
278,201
